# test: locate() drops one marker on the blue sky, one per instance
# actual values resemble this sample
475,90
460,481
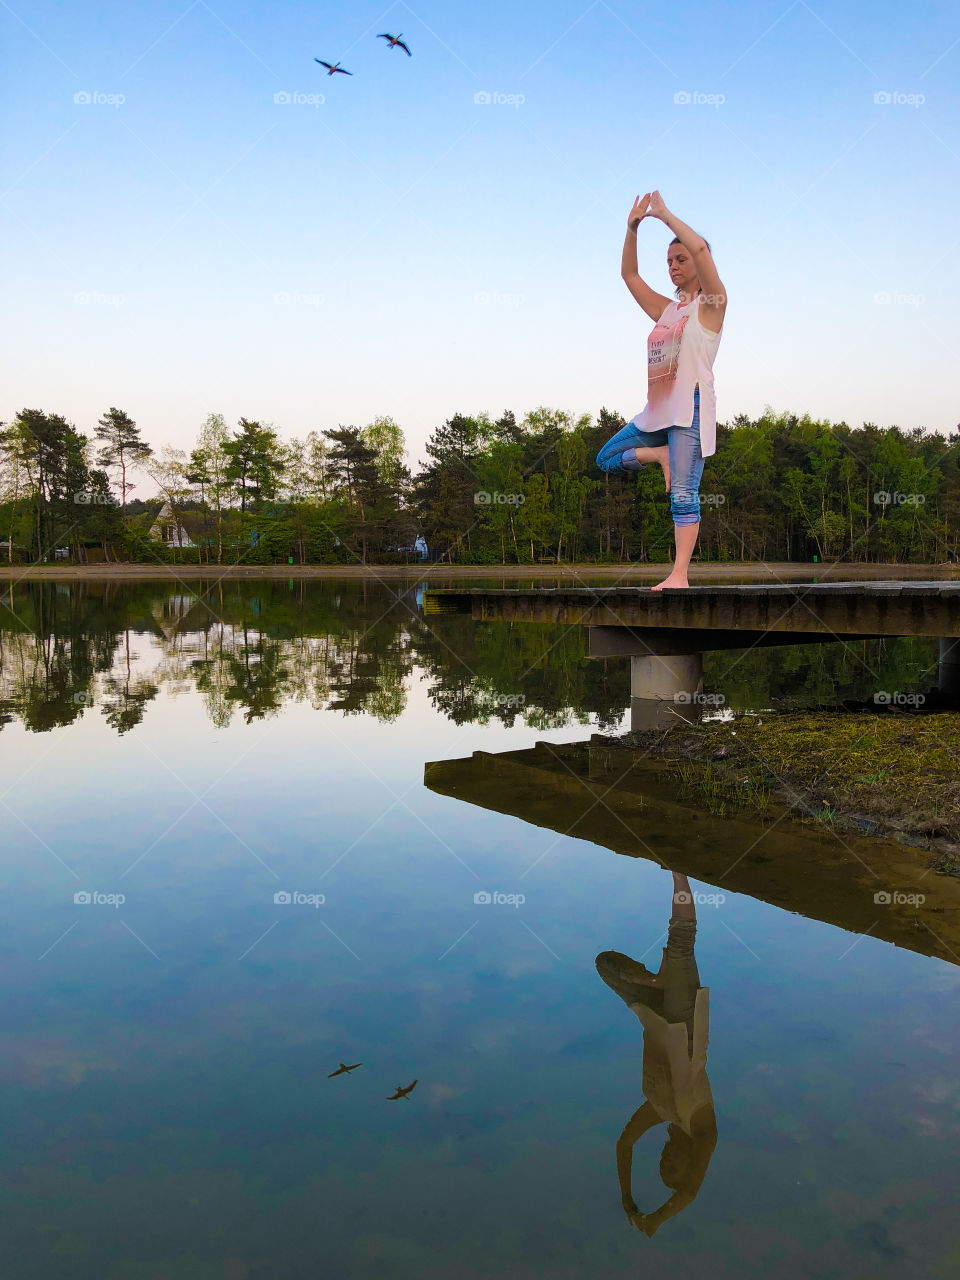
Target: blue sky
402,248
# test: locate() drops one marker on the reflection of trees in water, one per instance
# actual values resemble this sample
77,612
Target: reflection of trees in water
796,677
242,647
495,671
251,647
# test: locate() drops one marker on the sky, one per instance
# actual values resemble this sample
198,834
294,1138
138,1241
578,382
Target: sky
195,218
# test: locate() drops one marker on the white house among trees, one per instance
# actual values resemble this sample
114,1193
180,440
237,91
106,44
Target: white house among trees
168,529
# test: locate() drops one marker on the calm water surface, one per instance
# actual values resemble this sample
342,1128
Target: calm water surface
166,1105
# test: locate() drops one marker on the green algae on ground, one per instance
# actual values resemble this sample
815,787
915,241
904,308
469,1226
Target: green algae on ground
893,773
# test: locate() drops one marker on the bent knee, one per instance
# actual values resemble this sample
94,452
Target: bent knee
609,461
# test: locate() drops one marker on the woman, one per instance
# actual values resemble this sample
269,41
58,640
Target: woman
677,428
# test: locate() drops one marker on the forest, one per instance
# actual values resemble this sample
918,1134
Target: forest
497,492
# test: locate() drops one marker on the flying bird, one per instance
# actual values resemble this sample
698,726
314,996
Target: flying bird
394,41
332,67
401,1092
343,1068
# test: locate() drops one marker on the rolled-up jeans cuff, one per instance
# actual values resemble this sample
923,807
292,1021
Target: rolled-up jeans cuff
628,460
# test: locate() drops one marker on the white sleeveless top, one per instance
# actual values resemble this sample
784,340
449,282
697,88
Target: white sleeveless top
680,354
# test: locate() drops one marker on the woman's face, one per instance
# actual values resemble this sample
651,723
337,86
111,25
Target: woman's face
683,273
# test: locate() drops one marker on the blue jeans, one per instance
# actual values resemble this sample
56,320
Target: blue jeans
686,461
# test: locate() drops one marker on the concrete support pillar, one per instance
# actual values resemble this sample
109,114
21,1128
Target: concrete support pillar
949,670
664,688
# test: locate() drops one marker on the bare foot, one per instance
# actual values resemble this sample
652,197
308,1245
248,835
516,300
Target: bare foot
663,457
674,580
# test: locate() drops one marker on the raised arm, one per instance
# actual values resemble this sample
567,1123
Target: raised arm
653,303
713,305
642,1119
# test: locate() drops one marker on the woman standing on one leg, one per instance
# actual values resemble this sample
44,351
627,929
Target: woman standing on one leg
678,427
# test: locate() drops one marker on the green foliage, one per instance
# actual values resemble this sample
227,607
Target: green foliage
780,487
121,447
254,463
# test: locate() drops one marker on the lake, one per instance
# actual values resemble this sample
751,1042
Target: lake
230,869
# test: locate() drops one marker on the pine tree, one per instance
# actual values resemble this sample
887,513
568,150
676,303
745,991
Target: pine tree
121,447
255,463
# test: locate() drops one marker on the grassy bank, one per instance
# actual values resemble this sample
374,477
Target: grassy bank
887,774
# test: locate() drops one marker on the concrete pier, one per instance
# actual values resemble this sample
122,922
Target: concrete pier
665,688
822,610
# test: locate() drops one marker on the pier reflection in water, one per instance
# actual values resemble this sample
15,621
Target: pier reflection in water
165,1101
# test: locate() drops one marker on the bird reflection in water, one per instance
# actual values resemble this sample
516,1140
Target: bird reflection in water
674,1010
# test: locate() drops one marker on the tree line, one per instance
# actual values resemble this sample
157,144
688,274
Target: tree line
490,491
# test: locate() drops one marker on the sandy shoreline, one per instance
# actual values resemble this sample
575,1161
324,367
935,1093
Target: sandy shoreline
775,572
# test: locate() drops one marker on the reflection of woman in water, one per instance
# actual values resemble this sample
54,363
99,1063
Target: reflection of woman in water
673,1008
